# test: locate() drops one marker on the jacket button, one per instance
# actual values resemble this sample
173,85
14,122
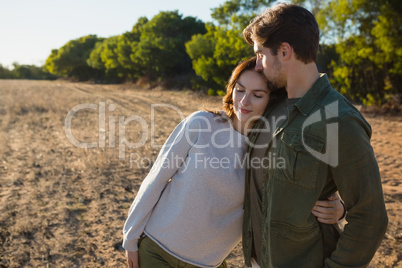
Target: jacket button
249,234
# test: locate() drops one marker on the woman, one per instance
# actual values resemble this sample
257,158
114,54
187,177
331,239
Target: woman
188,211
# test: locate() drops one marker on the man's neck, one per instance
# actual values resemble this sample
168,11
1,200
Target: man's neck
301,78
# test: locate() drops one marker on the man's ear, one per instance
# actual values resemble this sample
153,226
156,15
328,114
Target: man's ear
285,51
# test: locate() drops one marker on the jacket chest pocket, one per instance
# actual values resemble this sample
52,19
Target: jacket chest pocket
300,166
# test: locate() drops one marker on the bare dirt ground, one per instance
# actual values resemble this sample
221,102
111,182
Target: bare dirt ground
65,206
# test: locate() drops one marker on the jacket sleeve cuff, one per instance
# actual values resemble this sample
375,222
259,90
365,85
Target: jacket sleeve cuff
344,212
130,245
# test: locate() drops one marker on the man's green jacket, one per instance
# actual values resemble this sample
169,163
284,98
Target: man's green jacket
323,146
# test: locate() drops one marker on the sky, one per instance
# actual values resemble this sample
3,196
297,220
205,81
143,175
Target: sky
30,29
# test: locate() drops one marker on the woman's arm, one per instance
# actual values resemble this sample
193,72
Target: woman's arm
132,259
175,148
330,211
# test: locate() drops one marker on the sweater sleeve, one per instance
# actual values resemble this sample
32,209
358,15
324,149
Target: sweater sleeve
171,156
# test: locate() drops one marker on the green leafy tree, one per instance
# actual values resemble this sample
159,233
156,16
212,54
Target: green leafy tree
104,57
124,50
128,48
50,62
95,59
368,38
326,55
71,59
25,72
114,56
153,49
160,51
238,13
201,50
216,53
31,72
6,73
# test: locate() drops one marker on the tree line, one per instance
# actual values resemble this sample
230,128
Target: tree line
360,50
21,71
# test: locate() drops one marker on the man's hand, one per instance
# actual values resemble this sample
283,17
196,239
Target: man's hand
329,212
132,259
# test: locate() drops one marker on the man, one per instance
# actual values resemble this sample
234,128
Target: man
323,146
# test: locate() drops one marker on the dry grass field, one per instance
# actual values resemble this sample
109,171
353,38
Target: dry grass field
65,206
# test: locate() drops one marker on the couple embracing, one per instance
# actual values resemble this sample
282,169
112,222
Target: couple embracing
277,106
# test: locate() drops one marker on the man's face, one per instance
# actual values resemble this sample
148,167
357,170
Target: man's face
269,65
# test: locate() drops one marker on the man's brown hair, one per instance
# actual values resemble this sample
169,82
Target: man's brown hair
286,23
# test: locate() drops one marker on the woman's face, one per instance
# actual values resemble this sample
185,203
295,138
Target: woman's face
250,97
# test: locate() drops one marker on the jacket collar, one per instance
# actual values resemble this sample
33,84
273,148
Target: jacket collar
307,102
